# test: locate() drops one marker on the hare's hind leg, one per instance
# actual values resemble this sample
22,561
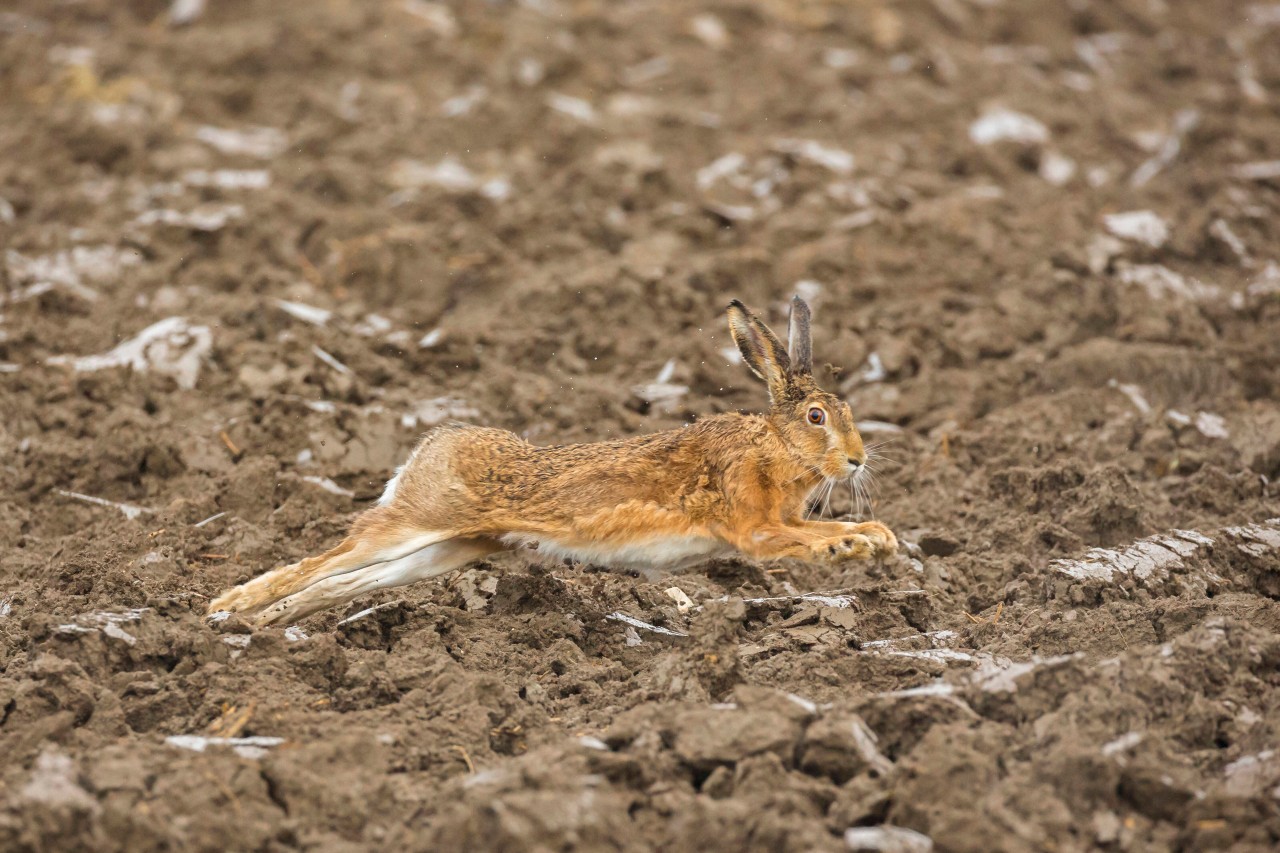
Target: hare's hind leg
429,561
378,537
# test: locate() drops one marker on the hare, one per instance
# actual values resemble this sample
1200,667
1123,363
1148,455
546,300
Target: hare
729,482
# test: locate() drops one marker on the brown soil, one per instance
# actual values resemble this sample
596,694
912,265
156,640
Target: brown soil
1054,389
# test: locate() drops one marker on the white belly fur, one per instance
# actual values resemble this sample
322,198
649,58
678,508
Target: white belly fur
649,557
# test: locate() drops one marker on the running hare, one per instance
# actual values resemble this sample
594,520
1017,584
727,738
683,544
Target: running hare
660,501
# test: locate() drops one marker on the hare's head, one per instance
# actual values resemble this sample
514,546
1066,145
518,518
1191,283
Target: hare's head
816,425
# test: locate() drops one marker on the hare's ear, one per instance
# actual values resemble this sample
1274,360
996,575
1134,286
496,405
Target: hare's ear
760,348
799,338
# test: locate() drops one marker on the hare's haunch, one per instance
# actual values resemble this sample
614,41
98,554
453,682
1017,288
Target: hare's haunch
661,501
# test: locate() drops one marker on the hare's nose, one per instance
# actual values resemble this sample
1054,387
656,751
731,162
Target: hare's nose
854,463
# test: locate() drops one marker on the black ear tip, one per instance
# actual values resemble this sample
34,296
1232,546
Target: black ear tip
737,303
799,303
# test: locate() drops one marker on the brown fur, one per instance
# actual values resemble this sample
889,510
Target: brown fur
467,491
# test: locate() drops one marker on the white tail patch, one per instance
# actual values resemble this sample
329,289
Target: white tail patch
389,493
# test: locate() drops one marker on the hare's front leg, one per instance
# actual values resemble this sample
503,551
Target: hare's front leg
883,542
829,541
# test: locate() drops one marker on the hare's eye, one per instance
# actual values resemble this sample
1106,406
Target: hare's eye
817,417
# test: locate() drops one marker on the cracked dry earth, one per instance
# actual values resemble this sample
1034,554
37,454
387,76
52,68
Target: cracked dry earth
248,258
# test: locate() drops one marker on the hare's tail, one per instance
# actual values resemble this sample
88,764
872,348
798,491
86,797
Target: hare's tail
376,555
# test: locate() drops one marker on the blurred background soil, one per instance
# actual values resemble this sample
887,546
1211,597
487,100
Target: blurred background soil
1040,240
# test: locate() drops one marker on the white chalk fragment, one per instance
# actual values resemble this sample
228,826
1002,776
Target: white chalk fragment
1124,743
114,631
1267,283
1183,123
431,338
590,742
733,355
437,17
1160,282
835,159
1265,170
183,12
932,637
106,621
938,655
886,839
619,616
1134,393
1221,230
935,688
1003,125
307,313
172,347
808,289
461,104
840,58
7,213
662,393
808,705
1139,226
1211,425
721,167
710,30
219,616
372,325
294,634
245,747
72,269
261,142
530,71
55,780
228,179
1259,539
6,607
575,108
448,174
1057,169
1002,677
873,371
631,638
678,595
330,360
329,486
644,72
130,511
733,212
864,741
207,217
437,410
1147,559
839,601
237,642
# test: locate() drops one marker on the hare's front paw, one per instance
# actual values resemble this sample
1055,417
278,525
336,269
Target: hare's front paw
886,543
854,546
